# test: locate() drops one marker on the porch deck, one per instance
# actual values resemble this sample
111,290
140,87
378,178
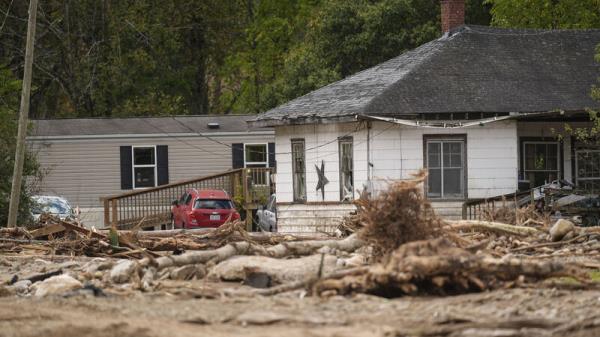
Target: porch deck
248,187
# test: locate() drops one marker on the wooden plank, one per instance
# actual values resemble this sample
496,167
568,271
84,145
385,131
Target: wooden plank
175,184
106,212
47,230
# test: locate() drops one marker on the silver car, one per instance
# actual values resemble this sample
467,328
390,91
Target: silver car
53,205
266,217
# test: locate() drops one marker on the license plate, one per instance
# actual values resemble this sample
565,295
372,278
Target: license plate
215,217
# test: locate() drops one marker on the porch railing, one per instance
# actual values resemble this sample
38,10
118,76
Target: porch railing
248,187
473,209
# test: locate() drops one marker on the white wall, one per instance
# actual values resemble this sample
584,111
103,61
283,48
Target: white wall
396,152
321,145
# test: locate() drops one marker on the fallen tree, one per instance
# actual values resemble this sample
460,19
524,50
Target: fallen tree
285,249
488,226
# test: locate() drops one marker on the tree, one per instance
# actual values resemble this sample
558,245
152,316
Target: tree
9,94
546,14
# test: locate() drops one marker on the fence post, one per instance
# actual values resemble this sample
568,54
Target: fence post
115,214
106,213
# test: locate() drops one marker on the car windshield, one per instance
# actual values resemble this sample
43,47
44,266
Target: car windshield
212,204
53,206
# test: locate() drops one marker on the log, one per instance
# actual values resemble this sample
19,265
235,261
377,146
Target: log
206,232
488,226
305,283
297,248
284,249
215,255
552,244
278,271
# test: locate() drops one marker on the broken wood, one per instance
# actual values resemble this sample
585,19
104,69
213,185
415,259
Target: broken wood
495,227
47,230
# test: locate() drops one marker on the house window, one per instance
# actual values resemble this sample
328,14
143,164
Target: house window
144,166
298,170
445,162
541,162
588,170
346,169
255,155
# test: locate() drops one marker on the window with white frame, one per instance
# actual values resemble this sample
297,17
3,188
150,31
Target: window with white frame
541,162
346,169
144,166
588,170
445,161
256,155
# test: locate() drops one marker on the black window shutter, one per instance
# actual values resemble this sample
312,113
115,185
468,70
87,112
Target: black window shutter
126,174
237,155
271,149
162,164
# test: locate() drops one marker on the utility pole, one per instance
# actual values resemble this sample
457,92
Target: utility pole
15,191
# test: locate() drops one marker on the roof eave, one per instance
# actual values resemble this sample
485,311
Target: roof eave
271,122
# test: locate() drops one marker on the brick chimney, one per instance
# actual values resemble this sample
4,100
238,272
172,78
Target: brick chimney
453,14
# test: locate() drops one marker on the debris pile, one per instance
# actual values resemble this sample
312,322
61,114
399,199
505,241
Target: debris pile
400,248
398,215
440,268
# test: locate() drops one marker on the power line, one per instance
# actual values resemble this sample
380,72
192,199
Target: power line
275,153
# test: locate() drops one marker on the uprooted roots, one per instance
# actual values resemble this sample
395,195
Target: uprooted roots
439,268
397,215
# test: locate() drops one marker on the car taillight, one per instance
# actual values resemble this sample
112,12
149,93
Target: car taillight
235,216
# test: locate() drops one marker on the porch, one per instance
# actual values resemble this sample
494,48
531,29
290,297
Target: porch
248,187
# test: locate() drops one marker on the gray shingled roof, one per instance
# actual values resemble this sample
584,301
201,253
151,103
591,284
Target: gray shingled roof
141,125
472,69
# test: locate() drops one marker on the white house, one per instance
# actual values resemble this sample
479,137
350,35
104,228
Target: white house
480,108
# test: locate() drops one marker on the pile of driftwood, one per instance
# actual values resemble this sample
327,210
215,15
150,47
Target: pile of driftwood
399,247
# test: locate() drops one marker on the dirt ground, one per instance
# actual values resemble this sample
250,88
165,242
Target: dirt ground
173,312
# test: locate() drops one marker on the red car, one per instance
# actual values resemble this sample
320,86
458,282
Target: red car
203,208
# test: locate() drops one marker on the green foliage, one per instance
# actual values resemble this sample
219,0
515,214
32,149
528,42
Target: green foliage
124,58
547,14
9,95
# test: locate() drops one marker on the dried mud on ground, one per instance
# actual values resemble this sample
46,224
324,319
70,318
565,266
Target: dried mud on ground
509,312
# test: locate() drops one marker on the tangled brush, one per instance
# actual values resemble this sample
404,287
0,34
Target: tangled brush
397,215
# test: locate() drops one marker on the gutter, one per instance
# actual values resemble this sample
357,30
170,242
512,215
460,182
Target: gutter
155,135
459,124
437,124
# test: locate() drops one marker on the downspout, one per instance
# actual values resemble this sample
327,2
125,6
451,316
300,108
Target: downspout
369,163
